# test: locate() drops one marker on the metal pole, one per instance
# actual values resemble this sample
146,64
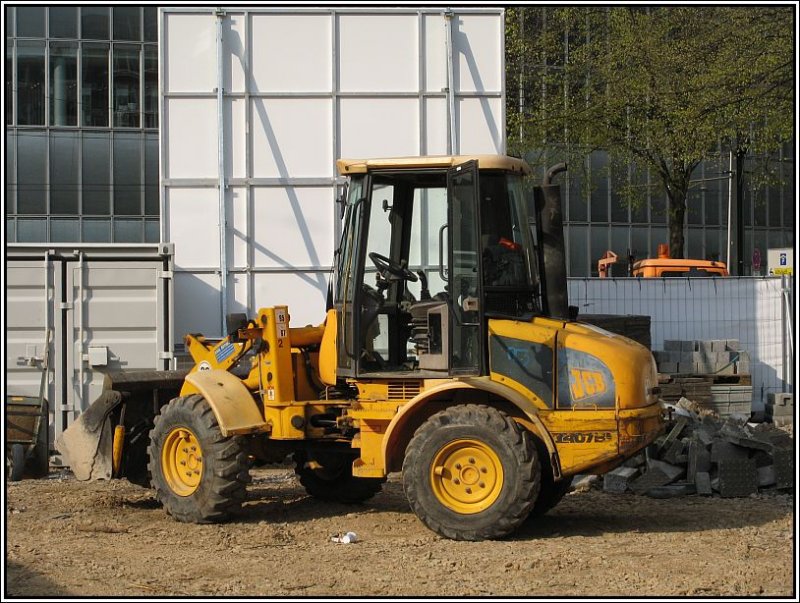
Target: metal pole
788,333
451,99
223,239
730,184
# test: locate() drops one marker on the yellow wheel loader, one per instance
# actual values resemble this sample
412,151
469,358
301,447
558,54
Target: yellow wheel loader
448,352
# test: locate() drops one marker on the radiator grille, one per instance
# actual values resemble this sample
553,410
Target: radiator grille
403,390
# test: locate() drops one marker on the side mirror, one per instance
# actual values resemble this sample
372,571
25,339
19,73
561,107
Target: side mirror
233,323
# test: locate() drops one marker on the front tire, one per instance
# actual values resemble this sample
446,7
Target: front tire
199,475
471,473
330,477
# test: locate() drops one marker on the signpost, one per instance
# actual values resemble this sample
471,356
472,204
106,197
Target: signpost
780,261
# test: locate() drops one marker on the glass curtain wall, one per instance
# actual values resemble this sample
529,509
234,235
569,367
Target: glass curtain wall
81,124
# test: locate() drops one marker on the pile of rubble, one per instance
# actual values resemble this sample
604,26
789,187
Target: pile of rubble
701,453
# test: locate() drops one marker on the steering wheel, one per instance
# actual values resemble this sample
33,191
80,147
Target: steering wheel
386,266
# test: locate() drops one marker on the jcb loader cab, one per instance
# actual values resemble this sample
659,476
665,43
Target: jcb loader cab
446,353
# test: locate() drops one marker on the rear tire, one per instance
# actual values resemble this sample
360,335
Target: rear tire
18,460
333,480
199,475
471,473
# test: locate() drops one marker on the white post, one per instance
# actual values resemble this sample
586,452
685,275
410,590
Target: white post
452,147
223,260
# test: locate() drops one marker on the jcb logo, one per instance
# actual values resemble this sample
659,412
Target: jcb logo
585,383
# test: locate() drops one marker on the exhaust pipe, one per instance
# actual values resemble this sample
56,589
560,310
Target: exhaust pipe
552,258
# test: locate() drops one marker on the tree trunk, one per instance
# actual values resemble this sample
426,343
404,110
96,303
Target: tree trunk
677,217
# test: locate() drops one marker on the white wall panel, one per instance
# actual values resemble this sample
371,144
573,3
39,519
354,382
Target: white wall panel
234,34
193,221
293,226
190,40
478,50
435,126
480,128
291,53
303,292
236,130
378,53
239,242
197,304
435,67
379,127
191,146
292,137
301,89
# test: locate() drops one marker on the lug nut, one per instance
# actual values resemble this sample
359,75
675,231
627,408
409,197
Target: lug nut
484,470
456,481
482,485
472,461
183,462
186,450
458,465
469,490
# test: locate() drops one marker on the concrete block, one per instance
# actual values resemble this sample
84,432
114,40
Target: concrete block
699,459
766,476
668,368
688,346
718,345
661,356
672,344
724,357
725,451
651,479
742,368
703,367
635,461
685,368
732,345
618,479
703,484
674,451
673,434
744,356
774,410
784,467
705,347
725,368
780,399
670,471
738,436
737,478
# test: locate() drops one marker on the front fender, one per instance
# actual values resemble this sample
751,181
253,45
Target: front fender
233,404
400,430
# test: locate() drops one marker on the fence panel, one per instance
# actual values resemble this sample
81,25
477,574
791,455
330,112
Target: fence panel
752,310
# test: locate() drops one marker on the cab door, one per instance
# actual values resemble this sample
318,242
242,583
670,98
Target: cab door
464,277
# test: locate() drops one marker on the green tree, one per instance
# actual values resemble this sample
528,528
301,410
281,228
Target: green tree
662,88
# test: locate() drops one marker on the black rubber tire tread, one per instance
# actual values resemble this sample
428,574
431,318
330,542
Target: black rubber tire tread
223,484
340,485
517,453
550,492
18,460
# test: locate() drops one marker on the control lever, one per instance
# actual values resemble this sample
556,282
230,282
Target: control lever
424,293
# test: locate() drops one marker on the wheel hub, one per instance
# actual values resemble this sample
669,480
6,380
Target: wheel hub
467,476
182,461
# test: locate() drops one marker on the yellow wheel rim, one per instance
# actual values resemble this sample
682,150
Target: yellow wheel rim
182,461
467,476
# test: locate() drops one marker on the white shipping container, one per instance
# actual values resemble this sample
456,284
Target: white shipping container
275,96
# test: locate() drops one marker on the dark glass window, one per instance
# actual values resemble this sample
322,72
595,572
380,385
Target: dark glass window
63,22
712,197
63,84
599,187
577,202
619,244
9,22
31,172
695,243
30,21
151,24
128,231
127,23
639,242
30,83
598,246
9,83
152,232
94,96
127,175
151,176
96,174
619,204
65,230
126,86
11,173
694,206
64,154
577,250
11,230
788,196
774,202
97,231
31,230
150,87
94,22
658,203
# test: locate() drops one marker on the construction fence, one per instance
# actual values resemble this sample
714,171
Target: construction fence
758,311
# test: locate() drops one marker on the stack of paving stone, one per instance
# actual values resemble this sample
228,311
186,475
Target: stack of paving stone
708,456
702,357
780,408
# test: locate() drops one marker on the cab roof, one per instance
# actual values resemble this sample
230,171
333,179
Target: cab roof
678,263
485,162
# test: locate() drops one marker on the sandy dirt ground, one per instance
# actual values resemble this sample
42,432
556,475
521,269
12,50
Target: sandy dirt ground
75,539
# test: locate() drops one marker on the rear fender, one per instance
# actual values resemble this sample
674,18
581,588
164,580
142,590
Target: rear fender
418,409
236,410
